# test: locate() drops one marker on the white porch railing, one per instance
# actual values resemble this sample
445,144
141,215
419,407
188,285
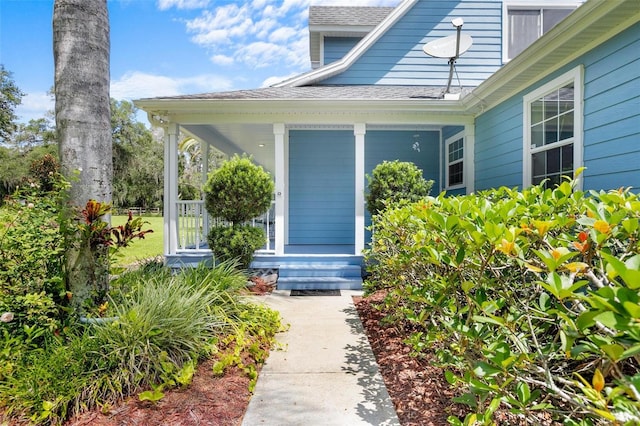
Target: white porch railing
193,224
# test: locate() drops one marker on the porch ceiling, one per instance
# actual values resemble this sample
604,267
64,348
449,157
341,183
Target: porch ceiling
254,139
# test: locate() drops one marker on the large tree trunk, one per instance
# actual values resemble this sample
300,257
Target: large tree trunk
83,123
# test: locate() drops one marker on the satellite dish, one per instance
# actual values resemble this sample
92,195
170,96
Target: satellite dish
446,47
450,47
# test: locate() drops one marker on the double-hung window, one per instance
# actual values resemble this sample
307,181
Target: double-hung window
525,21
552,132
455,161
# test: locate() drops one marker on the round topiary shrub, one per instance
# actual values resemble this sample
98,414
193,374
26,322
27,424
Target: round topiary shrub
395,181
237,192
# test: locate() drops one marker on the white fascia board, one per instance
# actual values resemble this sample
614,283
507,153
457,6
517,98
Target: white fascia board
170,108
342,29
355,53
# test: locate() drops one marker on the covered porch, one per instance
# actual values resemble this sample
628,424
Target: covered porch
319,144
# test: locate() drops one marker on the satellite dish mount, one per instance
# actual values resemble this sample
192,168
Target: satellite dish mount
450,47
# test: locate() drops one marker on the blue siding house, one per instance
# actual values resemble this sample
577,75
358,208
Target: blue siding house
546,87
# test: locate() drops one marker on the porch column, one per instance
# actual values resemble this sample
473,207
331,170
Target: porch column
171,189
278,132
470,156
359,130
204,149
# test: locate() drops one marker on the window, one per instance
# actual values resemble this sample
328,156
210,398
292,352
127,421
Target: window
455,161
553,130
526,21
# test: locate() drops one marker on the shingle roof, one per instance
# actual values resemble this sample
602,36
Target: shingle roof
347,15
324,92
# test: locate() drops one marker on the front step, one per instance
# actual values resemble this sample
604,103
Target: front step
314,272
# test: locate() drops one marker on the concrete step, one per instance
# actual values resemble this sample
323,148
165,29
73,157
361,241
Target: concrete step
320,270
318,283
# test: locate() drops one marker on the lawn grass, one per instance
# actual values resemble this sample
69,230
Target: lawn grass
150,246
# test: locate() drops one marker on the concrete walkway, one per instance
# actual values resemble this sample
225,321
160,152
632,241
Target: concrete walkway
325,373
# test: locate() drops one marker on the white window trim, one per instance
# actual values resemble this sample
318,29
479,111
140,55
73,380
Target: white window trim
575,75
527,4
465,158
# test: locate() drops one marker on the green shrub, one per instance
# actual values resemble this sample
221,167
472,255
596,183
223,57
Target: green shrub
158,326
530,298
48,385
237,192
32,248
236,242
395,181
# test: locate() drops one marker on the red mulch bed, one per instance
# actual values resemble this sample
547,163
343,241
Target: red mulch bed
419,391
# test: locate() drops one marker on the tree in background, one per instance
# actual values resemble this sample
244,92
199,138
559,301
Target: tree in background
10,97
137,160
81,47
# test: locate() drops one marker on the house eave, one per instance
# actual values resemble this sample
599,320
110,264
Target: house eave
298,110
588,26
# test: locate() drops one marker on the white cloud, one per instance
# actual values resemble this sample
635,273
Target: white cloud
254,33
282,34
34,105
222,60
135,85
182,4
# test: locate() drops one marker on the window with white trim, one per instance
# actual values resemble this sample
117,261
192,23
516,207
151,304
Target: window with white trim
455,160
526,21
552,132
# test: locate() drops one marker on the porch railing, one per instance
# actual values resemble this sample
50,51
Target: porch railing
194,223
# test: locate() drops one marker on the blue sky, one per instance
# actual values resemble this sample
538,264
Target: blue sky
168,47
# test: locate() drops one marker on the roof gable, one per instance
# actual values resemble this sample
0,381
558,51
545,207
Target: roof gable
391,54
339,66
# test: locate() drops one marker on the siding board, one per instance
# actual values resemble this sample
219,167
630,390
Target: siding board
611,122
321,187
429,20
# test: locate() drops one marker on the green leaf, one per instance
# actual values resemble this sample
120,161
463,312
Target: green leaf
544,301
467,399
460,255
467,286
454,421
630,225
490,320
632,351
632,308
450,377
151,395
586,320
608,319
523,392
613,351
482,369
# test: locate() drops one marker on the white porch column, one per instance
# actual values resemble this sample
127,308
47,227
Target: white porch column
281,199
204,149
171,189
359,130
470,156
